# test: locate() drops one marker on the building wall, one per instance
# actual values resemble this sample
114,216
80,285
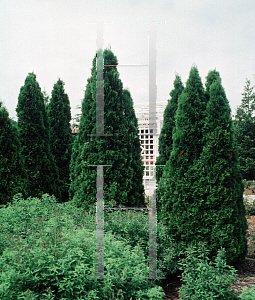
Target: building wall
149,135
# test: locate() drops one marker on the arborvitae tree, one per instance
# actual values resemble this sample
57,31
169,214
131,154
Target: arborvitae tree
135,191
244,125
165,139
85,128
212,208
13,177
187,146
33,132
210,78
106,150
59,116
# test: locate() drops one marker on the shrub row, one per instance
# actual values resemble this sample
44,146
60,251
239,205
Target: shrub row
47,251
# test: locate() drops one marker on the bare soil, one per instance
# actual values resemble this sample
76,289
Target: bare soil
248,190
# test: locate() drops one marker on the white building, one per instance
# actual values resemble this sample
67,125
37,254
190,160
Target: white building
149,141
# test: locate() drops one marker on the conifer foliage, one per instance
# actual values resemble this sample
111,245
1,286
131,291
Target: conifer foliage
216,184
208,196
165,138
244,125
122,180
187,146
85,128
132,142
59,116
33,132
13,178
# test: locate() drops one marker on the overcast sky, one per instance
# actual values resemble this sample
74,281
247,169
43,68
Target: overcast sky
57,39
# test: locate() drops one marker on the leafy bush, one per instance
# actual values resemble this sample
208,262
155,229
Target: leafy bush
247,294
48,252
132,227
204,279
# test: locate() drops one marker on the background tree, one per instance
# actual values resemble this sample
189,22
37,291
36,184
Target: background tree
85,128
111,150
132,142
211,77
60,134
13,177
165,139
244,125
187,146
212,208
33,132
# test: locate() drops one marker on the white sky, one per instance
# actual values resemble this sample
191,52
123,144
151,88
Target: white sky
57,38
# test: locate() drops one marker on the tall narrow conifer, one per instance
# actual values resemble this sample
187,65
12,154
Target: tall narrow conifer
13,177
165,139
244,125
187,146
132,142
59,116
34,137
213,209
120,183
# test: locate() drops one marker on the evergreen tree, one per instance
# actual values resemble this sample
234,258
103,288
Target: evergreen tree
13,177
33,132
120,183
245,132
212,199
187,146
59,116
85,128
210,79
132,142
165,139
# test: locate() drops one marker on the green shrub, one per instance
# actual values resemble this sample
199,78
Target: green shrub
247,294
204,279
132,227
47,251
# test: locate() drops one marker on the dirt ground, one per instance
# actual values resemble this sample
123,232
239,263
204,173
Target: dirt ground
249,189
245,270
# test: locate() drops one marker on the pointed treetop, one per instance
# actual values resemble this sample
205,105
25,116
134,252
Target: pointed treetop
218,109
212,76
178,88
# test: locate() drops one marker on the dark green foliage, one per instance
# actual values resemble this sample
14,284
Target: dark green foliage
187,146
85,128
50,253
132,143
132,227
210,79
210,204
123,180
14,123
165,140
13,177
59,116
34,137
244,125
205,279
